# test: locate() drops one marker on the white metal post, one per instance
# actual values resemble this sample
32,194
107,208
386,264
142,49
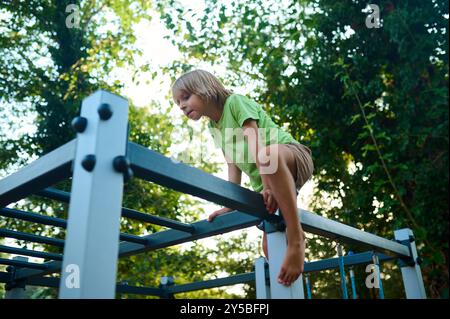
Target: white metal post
92,238
276,249
412,275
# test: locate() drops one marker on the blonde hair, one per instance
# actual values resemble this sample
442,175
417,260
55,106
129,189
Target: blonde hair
203,84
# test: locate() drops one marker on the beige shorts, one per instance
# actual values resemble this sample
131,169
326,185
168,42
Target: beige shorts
304,165
303,162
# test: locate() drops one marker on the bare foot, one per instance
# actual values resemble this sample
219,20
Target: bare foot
293,263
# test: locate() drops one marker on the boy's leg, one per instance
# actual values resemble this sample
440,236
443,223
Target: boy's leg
282,185
264,245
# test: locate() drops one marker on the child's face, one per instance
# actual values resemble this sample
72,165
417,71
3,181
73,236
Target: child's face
191,104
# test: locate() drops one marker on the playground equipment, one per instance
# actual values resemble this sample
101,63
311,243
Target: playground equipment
99,160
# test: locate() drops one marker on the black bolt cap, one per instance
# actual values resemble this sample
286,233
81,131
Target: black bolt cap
79,124
104,111
88,162
121,163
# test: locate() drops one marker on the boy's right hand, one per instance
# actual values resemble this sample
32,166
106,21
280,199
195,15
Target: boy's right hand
219,212
269,200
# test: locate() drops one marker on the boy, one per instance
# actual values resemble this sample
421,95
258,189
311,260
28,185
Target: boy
279,167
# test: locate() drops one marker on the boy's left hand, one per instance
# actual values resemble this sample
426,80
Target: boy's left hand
269,200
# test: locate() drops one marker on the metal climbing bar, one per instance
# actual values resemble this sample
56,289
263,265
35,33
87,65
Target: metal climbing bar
157,220
129,289
154,167
126,212
43,172
30,253
376,263
212,283
342,271
349,260
31,237
54,283
307,286
23,264
333,230
33,217
58,222
352,277
221,224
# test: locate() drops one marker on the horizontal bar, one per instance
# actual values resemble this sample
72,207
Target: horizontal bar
212,283
126,212
162,239
135,290
43,282
43,172
22,264
157,220
221,224
32,217
31,253
314,266
54,283
333,263
134,239
154,167
53,221
31,237
331,229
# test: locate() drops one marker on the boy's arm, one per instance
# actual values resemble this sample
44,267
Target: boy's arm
250,128
234,176
234,173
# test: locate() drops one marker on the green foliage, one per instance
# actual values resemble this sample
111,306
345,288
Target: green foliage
372,104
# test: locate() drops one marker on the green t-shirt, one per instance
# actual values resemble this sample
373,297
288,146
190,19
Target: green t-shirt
228,134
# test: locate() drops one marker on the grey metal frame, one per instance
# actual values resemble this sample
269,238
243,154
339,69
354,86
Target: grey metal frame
91,249
260,276
96,198
44,172
411,272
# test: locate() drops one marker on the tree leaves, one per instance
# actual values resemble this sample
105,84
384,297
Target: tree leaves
376,88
